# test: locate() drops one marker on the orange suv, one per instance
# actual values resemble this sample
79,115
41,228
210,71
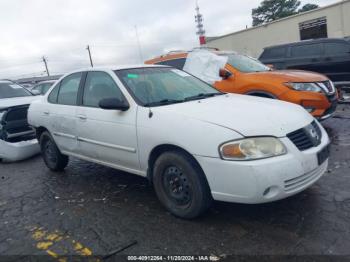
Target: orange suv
245,75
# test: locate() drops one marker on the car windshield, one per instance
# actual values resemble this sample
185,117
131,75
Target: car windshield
10,90
246,64
162,86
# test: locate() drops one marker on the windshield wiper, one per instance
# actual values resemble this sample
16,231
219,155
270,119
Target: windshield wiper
163,102
202,96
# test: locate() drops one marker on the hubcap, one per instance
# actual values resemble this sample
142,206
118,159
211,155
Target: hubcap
177,186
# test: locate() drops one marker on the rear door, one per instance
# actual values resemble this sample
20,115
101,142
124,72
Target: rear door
306,56
61,112
108,136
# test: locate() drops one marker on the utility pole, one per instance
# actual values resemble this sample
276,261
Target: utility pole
47,69
88,48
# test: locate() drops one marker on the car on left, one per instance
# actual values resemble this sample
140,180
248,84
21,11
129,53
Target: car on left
17,137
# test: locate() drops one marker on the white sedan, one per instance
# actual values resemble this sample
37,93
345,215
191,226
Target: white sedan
194,143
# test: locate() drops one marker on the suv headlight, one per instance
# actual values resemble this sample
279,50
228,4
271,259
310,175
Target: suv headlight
252,149
310,87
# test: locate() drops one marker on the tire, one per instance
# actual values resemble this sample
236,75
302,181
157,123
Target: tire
180,185
52,156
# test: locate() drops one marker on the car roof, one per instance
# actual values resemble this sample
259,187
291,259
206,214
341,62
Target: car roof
114,68
5,81
321,40
181,54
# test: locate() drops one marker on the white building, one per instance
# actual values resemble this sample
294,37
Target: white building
328,21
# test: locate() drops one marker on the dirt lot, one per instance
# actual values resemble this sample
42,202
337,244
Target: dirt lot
93,210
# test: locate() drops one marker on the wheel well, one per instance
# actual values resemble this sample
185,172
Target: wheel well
157,151
262,94
39,131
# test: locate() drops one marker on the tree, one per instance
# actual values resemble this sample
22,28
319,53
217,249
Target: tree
270,10
308,7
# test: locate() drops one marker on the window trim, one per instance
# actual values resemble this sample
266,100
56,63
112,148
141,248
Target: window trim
82,91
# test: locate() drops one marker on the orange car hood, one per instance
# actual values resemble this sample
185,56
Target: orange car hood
290,76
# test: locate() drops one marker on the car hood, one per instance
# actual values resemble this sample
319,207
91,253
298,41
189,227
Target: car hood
247,115
17,101
291,76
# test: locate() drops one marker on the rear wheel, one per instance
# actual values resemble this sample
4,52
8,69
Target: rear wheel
181,185
52,156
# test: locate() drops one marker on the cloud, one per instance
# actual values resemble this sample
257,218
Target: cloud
61,30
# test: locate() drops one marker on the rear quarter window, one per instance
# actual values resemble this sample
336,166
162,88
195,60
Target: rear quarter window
53,95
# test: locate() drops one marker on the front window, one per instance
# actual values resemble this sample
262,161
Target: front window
246,64
162,86
10,90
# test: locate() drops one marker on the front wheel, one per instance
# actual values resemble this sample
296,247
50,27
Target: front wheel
180,185
52,156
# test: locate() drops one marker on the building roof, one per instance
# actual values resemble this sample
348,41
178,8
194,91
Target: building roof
213,38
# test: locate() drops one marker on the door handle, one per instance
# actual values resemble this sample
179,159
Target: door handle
82,117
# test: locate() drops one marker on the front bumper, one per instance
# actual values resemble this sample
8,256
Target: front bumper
11,152
264,180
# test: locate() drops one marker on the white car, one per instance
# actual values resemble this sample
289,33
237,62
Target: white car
194,143
17,138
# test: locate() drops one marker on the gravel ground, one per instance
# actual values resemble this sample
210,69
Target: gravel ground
93,210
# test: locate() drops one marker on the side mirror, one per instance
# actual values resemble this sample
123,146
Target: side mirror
35,92
225,74
113,104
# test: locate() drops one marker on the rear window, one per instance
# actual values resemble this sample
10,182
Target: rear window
10,90
307,50
273,53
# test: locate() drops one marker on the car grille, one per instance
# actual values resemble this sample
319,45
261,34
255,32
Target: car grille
303,180
307,137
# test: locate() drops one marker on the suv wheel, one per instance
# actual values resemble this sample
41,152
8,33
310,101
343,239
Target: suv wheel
52,156
181,185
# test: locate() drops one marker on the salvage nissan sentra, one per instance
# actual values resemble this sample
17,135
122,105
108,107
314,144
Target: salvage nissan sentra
194,143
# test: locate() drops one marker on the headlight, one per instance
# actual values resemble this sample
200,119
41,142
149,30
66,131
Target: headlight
311,87
252,148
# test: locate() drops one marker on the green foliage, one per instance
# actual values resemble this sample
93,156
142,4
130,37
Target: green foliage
308,7
271,10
